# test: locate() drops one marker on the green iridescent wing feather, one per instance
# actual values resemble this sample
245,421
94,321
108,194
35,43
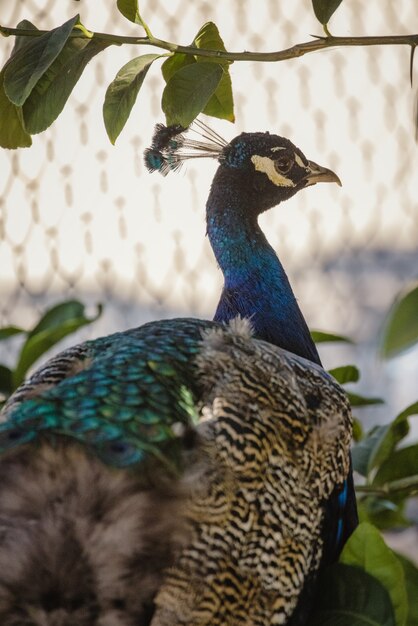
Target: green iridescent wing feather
134,397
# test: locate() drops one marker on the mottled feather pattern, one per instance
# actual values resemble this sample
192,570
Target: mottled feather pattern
277,450
271,445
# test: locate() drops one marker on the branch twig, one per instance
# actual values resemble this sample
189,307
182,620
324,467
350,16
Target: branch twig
396,487
298,50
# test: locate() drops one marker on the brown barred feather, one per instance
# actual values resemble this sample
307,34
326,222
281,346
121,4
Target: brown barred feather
274,456
231,543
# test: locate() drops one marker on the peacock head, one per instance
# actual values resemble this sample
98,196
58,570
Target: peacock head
263,168
272,168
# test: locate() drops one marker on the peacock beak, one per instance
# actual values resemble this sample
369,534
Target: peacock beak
318,174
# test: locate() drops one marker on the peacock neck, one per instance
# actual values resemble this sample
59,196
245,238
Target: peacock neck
255,283
245,256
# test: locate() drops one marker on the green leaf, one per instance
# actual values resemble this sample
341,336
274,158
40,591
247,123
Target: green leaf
382,513
22,40
122,93
129,9
381,441
59,314
188,92
367,549
221,104
175,63
411,579
31,61
13,133
401,330
209,38
53,89
57,323
412,409
358,432
9,331
320,337
12,130
348,596
402,464
357,400
391,435
345,374
362,451
324,9
6,380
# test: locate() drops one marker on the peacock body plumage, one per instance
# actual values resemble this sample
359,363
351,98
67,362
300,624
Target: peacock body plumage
230,451
228,515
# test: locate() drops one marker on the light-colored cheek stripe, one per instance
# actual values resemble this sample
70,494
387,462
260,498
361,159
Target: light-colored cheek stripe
266,165
299,161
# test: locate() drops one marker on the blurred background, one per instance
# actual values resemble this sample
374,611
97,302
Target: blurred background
80,218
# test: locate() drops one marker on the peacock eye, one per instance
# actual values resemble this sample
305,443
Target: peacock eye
283,164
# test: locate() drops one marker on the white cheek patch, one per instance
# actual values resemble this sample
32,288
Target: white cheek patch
266,165
299,161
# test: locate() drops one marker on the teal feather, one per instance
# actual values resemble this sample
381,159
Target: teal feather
133,387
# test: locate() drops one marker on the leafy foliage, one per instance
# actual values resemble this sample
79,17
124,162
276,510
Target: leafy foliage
31,60
366,549
410,572
220,102
58,322
401,329
52,91
189,91
358,400
398,467
44,68
12,129
38,79
42,71
390,472
122,92
349,596
320,336
381,441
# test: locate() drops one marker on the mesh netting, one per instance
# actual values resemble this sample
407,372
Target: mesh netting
81,218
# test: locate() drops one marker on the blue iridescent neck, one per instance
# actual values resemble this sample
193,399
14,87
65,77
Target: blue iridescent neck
255,283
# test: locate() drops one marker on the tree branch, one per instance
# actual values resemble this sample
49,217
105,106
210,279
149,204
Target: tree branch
298,50
396,487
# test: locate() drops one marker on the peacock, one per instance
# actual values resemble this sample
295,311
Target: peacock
258,171
185,472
